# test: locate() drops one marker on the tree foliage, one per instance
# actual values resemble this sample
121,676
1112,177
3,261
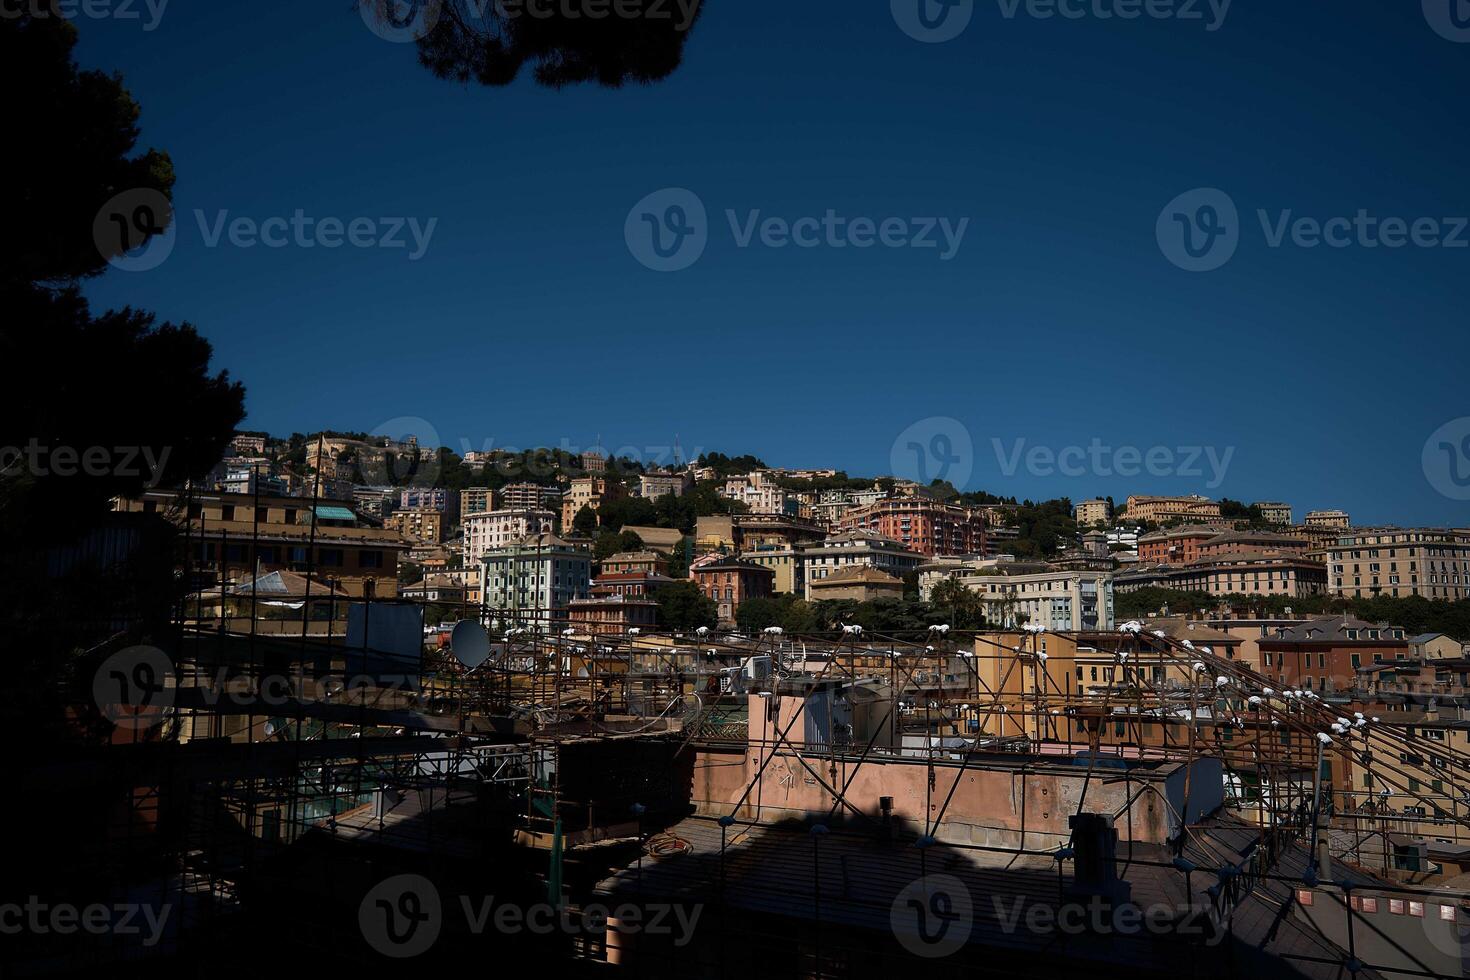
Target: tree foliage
681,606
564,43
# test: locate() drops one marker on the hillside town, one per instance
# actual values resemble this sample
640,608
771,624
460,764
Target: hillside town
549,539
340,643
1296,692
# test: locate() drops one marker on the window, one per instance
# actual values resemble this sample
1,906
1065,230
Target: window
1396,906
1447,913
1416,909
369,559
1303,896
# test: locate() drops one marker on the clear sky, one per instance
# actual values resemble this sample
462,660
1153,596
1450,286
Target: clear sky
1314,374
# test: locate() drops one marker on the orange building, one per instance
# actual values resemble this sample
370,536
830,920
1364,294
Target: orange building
730,581
920,524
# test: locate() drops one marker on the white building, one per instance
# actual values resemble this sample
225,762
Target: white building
1028,592
532,582
822,558
497,528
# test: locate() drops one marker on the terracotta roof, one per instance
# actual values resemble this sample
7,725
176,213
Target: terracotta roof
857,574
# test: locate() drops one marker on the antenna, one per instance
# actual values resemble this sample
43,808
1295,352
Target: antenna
470,643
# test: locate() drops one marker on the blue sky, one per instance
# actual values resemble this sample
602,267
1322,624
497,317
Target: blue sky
1318,372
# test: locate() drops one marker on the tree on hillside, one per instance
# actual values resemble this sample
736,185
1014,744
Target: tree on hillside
681,606
585,521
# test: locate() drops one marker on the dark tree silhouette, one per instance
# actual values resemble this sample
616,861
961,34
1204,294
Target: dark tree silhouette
565,42
79,130
138,397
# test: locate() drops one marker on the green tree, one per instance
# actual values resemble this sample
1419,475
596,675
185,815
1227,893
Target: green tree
962,605
585,521
610,543
681,606
754,615
681,558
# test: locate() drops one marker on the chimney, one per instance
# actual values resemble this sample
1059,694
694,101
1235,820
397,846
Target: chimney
1094,860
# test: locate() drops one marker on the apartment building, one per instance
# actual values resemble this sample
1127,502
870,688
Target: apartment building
643,562
599,615
858,583
1016,593
632,583
438,587
785,562
1430,562
518,496
660,483
1174,545
476,500
1236,573
588,491
848,548
419,524
731,581
1334,519
444,501
1091,512
759,492
379,502
1237,542
232,537
921,524
1324,654
1274,511
1163,510
1253,573
498,528
531,582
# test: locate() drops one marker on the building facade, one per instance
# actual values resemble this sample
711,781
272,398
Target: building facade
498,528
1094,511
531,582
234,536
922,525
1274,511
846,549
418,524
520,496
1163,510
1060,600
731,581
659,483
587,491
1430,562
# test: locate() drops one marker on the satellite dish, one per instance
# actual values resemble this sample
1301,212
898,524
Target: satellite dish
470,643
